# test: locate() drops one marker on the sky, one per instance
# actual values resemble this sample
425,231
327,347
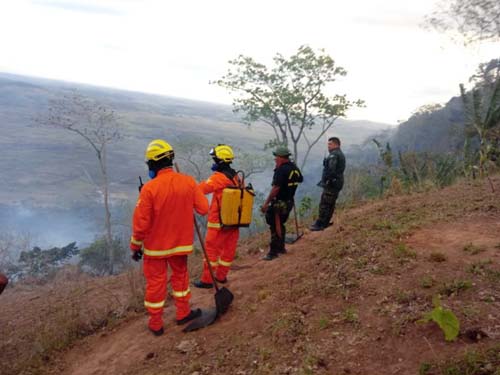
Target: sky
176,48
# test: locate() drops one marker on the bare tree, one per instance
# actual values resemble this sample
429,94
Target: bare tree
11,245
196,160
474,20
97,125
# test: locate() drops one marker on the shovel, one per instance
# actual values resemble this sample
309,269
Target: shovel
223,296
293,239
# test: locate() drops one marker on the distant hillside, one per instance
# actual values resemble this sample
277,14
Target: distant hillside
50,166
436,131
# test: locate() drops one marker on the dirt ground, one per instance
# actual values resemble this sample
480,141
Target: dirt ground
343,301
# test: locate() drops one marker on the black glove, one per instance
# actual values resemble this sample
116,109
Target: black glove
137,255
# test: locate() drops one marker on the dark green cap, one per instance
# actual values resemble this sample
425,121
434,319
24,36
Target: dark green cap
282,151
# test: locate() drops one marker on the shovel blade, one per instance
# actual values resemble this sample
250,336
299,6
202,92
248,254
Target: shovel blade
206,318
223,299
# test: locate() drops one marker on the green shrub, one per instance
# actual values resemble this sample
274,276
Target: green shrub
95,258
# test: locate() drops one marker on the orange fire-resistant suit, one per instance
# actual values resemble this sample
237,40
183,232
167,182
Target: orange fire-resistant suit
163,227
220,243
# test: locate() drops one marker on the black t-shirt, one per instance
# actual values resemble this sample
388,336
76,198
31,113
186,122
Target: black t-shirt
287,176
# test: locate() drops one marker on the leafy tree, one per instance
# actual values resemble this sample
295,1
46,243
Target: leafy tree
482,111
97,125
475,20
96,257
291,97
427,109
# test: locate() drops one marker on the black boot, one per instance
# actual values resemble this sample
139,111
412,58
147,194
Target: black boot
317,226
203,285
158,332
192,315
270,256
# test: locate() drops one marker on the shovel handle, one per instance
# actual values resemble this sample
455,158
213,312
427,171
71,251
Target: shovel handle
205,254
176,166
296,220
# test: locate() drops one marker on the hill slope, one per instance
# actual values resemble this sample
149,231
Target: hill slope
343,301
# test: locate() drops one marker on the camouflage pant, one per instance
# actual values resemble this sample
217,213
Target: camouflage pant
327,206
281,209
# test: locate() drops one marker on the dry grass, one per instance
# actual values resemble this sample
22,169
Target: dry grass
53,316
338,294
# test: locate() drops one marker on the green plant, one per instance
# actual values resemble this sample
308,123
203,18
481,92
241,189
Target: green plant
479,268
424,368
445,319
455,287
493,275
305,206
475,363
289,326
265,353
427,282
380,269
95,258
401,251
262,294
350,315
324,322
405,297
473,249
383,224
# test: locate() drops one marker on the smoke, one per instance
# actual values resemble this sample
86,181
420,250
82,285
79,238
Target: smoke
50,227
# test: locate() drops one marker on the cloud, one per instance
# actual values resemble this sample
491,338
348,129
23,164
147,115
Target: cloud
80,7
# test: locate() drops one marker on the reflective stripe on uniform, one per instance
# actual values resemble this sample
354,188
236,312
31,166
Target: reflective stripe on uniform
225,264
213,225
293,184
175,250
214,264
181,294
135,242
154,305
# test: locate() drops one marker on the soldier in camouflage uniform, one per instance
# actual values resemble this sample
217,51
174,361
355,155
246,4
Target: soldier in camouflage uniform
332,182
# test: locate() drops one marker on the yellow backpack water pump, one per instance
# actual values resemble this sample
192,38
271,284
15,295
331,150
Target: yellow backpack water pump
237,203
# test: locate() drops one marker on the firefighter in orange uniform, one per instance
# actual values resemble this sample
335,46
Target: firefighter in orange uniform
220,243
3,282
162,231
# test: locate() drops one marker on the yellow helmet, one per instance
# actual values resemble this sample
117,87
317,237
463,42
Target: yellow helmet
223,152
159,149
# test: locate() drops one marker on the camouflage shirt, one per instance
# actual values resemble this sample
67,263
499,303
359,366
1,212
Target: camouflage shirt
333,170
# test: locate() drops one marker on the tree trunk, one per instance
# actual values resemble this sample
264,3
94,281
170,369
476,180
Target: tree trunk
107,215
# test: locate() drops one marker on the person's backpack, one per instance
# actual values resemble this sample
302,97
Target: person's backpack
237,203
